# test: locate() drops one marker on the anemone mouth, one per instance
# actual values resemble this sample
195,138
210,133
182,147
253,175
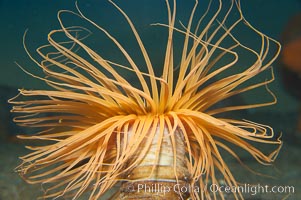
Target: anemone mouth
98,126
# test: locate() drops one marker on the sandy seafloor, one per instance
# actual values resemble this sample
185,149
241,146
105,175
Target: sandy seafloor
286,170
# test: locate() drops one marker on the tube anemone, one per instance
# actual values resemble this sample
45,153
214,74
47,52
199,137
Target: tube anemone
98,130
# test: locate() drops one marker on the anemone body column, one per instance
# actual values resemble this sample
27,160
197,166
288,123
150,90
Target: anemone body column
162,171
